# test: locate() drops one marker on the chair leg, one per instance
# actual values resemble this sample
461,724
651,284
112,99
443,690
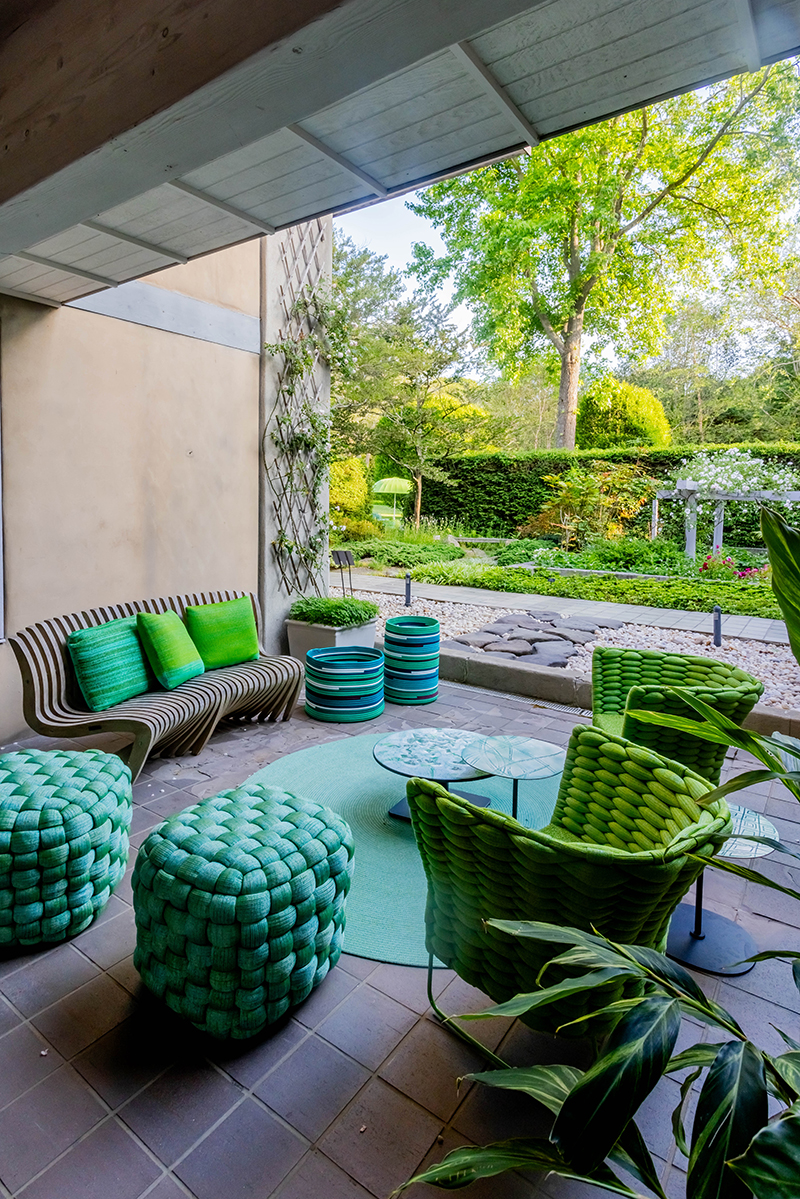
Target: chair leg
449,1022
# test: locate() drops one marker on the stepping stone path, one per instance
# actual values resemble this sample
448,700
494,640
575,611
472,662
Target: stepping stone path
545,639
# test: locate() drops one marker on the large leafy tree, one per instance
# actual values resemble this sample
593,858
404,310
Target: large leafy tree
589,232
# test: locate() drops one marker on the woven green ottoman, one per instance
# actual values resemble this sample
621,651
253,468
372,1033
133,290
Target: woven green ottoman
239,905
64,820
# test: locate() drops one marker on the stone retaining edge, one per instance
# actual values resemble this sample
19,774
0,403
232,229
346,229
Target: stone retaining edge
561,686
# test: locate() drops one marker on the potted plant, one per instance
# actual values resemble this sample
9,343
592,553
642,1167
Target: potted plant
316,622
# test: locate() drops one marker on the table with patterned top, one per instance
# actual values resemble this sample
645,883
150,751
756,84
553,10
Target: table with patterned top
515,758
435,754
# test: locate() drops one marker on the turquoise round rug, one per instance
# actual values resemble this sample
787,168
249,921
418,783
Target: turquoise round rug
386,904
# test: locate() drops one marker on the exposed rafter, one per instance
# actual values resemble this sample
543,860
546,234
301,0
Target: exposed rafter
479,71
248,218
751,52
55,265
172,255
27,295
340,160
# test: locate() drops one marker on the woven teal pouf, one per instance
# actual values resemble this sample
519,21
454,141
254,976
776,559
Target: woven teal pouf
239,905
64,820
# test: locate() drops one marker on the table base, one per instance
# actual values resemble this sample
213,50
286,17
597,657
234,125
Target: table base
401,809
721,943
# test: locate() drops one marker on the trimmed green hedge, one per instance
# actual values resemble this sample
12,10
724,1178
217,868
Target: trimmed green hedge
404,553
497,493
736,598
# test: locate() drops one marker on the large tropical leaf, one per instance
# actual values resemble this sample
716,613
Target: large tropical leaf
783,546
464,1166
732,1108
554,934
549,1085
728,866
701,1054
663,970
788,1066
632,1154
598,1108
788,750
678,1127
532,1000
770,1166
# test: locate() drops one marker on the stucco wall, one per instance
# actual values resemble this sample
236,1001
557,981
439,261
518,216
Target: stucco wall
130,461
228,278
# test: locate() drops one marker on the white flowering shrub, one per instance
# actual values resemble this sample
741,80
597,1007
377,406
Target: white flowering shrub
729,470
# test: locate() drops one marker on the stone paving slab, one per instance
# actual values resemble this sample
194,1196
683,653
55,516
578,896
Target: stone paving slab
757,627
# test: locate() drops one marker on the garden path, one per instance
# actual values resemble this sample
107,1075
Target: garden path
757,627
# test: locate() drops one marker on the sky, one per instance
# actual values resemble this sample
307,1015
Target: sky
390,228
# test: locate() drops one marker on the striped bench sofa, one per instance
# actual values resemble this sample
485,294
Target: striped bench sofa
160,722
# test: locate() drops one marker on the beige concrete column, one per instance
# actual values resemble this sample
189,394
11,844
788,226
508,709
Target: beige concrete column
294,264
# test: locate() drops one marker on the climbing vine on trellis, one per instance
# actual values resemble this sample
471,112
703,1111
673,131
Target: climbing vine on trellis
296,445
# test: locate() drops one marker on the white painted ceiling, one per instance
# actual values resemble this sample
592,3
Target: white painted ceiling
413,90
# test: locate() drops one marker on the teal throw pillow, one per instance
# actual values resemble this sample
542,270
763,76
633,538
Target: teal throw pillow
224,633
171,652
109,662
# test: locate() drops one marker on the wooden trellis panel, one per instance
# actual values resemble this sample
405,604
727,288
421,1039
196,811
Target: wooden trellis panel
296,409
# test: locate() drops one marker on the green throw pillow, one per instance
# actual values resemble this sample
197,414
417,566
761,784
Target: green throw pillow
109,662
171,651
224,633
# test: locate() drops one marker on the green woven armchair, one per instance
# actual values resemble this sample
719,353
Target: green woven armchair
614,856
624,680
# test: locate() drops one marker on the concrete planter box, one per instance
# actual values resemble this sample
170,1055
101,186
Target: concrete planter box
304,636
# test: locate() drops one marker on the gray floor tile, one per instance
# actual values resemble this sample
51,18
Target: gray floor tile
247,1155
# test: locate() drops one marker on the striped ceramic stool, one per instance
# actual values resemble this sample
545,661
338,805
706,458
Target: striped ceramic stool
411,656
239,905
64,820
344,684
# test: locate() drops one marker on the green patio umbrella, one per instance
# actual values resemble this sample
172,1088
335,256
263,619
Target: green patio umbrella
392,487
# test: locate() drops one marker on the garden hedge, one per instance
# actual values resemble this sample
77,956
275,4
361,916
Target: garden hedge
496,493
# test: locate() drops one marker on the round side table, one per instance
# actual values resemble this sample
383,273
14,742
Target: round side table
515,758
435,754
709,942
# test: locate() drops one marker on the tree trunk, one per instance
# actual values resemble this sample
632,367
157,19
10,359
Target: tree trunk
568,387
417,499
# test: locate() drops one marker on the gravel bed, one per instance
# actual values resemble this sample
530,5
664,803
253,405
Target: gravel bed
773,664
453,618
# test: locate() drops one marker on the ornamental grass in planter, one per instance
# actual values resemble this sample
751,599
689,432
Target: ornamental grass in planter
319,622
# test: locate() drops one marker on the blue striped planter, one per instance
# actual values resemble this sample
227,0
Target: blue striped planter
344,684
411,654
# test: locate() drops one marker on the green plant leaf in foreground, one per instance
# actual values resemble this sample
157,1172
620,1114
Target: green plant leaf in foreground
601,1104
728,866
464,1166
732,1108
788,1066
770,1166
783,546
533,1000
549,1085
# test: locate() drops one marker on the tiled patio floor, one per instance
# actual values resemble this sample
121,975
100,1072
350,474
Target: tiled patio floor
104,1094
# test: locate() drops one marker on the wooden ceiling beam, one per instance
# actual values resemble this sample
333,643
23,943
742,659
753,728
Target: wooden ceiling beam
76,75
479,71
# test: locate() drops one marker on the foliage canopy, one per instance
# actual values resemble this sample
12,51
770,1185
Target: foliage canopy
590,231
